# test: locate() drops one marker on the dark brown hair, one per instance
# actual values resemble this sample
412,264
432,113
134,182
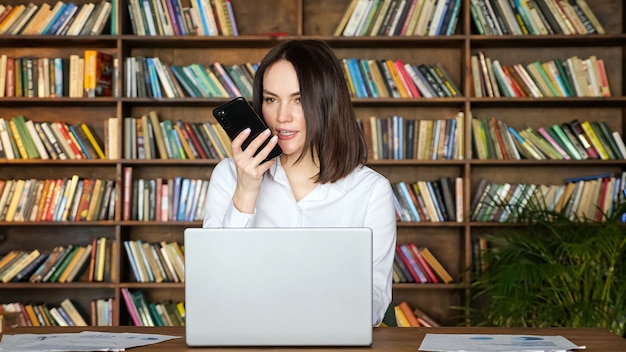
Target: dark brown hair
331,127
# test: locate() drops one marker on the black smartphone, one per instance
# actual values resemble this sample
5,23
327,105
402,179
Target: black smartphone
235,116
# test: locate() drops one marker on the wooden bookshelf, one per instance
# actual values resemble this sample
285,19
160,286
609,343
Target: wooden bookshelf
450,242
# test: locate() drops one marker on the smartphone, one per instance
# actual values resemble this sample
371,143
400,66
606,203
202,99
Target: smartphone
235,116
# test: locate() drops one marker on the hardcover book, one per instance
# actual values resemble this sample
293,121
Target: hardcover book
98,80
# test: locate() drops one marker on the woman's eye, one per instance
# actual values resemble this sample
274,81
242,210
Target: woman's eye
269,99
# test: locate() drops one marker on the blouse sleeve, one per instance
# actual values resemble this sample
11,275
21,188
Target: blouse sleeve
219,210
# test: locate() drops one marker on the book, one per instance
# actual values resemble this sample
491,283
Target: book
344,19
436,265
131,306
158,135
424,318
572,138
620,143
584,7
377,21
594,140
80,264
24,138
23,19
409,261
604,133
408,313
575,128
93,139
421,262
401,319
98,80
70,308
19,265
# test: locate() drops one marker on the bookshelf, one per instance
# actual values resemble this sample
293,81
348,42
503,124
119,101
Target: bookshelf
449,241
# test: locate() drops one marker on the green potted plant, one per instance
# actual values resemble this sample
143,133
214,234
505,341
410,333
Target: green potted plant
553,270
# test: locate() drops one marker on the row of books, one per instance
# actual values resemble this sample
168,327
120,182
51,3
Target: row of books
21,138
535,17
168,17
397,138
413,264
396,79
177,199
77,199
63,199
61,19
573,140
429,201
399,18
592,197
156,262
572,77
93,75
147,137
144,313
148,77
158,199
66,313
406,317
96,74
61,264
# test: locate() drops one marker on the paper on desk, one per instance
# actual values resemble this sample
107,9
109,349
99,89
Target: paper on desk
83,341
496,342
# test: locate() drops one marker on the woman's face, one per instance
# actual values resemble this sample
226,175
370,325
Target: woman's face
282,109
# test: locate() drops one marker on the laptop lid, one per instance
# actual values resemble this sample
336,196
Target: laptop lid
278,286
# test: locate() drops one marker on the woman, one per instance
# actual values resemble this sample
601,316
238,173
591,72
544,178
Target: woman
319,180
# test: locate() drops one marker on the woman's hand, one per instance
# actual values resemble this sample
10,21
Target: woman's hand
250,168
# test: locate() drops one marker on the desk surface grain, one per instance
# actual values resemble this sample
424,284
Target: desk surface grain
385,339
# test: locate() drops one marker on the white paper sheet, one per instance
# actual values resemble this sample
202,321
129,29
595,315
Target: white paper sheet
83,341
495,342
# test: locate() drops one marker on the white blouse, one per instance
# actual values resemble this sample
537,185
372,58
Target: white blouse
362,199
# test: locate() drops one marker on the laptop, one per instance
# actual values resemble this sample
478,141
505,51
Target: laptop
278,286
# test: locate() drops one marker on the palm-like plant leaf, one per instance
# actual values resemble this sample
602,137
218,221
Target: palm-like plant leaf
554,271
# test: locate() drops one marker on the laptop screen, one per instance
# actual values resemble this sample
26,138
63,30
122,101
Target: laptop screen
278,286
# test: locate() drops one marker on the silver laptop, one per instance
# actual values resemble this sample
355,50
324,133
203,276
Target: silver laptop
278,287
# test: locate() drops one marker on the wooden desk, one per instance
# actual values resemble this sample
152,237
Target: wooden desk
385,339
